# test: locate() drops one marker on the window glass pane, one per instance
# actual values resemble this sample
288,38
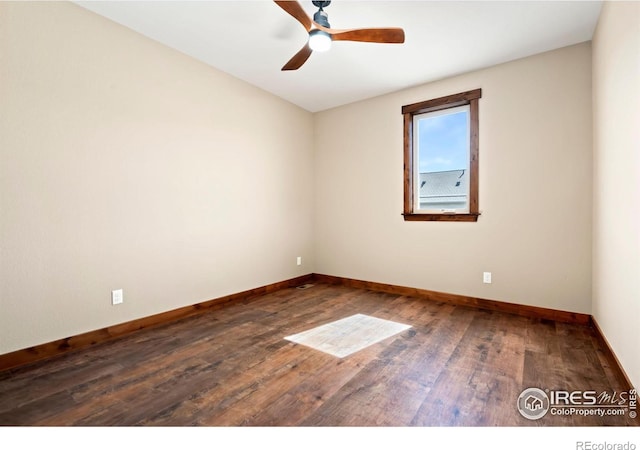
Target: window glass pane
442,153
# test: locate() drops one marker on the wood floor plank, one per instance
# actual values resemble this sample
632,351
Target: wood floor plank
469,382
230,365
314,388
438,339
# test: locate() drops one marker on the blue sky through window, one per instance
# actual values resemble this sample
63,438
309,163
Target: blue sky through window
443,142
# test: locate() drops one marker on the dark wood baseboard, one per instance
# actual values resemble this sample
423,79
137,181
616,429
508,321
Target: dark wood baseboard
473,302
50,349
609,354
231,367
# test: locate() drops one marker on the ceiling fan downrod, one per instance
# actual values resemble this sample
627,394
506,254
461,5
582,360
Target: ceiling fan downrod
321,17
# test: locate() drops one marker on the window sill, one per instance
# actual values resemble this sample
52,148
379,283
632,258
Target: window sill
467,217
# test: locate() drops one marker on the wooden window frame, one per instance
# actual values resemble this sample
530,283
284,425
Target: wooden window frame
470,98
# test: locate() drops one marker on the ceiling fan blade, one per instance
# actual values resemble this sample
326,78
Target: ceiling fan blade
299,58
379,35
296,11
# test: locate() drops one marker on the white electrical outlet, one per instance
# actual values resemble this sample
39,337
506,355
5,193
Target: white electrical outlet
299,260
486,277
117,297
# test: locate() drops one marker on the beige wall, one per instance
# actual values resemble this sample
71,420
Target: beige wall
534,234
616,220
125,164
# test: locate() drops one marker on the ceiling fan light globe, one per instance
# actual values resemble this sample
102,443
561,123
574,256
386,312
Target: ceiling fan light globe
319,41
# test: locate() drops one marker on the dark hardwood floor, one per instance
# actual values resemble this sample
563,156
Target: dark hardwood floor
230,366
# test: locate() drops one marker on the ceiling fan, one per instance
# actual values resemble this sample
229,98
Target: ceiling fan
321,34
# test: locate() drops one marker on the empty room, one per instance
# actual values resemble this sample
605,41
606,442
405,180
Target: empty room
320,214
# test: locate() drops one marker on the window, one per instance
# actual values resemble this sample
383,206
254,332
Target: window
441,158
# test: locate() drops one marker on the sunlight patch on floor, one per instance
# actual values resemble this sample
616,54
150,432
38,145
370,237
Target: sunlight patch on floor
349,335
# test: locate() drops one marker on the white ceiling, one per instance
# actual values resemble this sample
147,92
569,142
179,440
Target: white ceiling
253,39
